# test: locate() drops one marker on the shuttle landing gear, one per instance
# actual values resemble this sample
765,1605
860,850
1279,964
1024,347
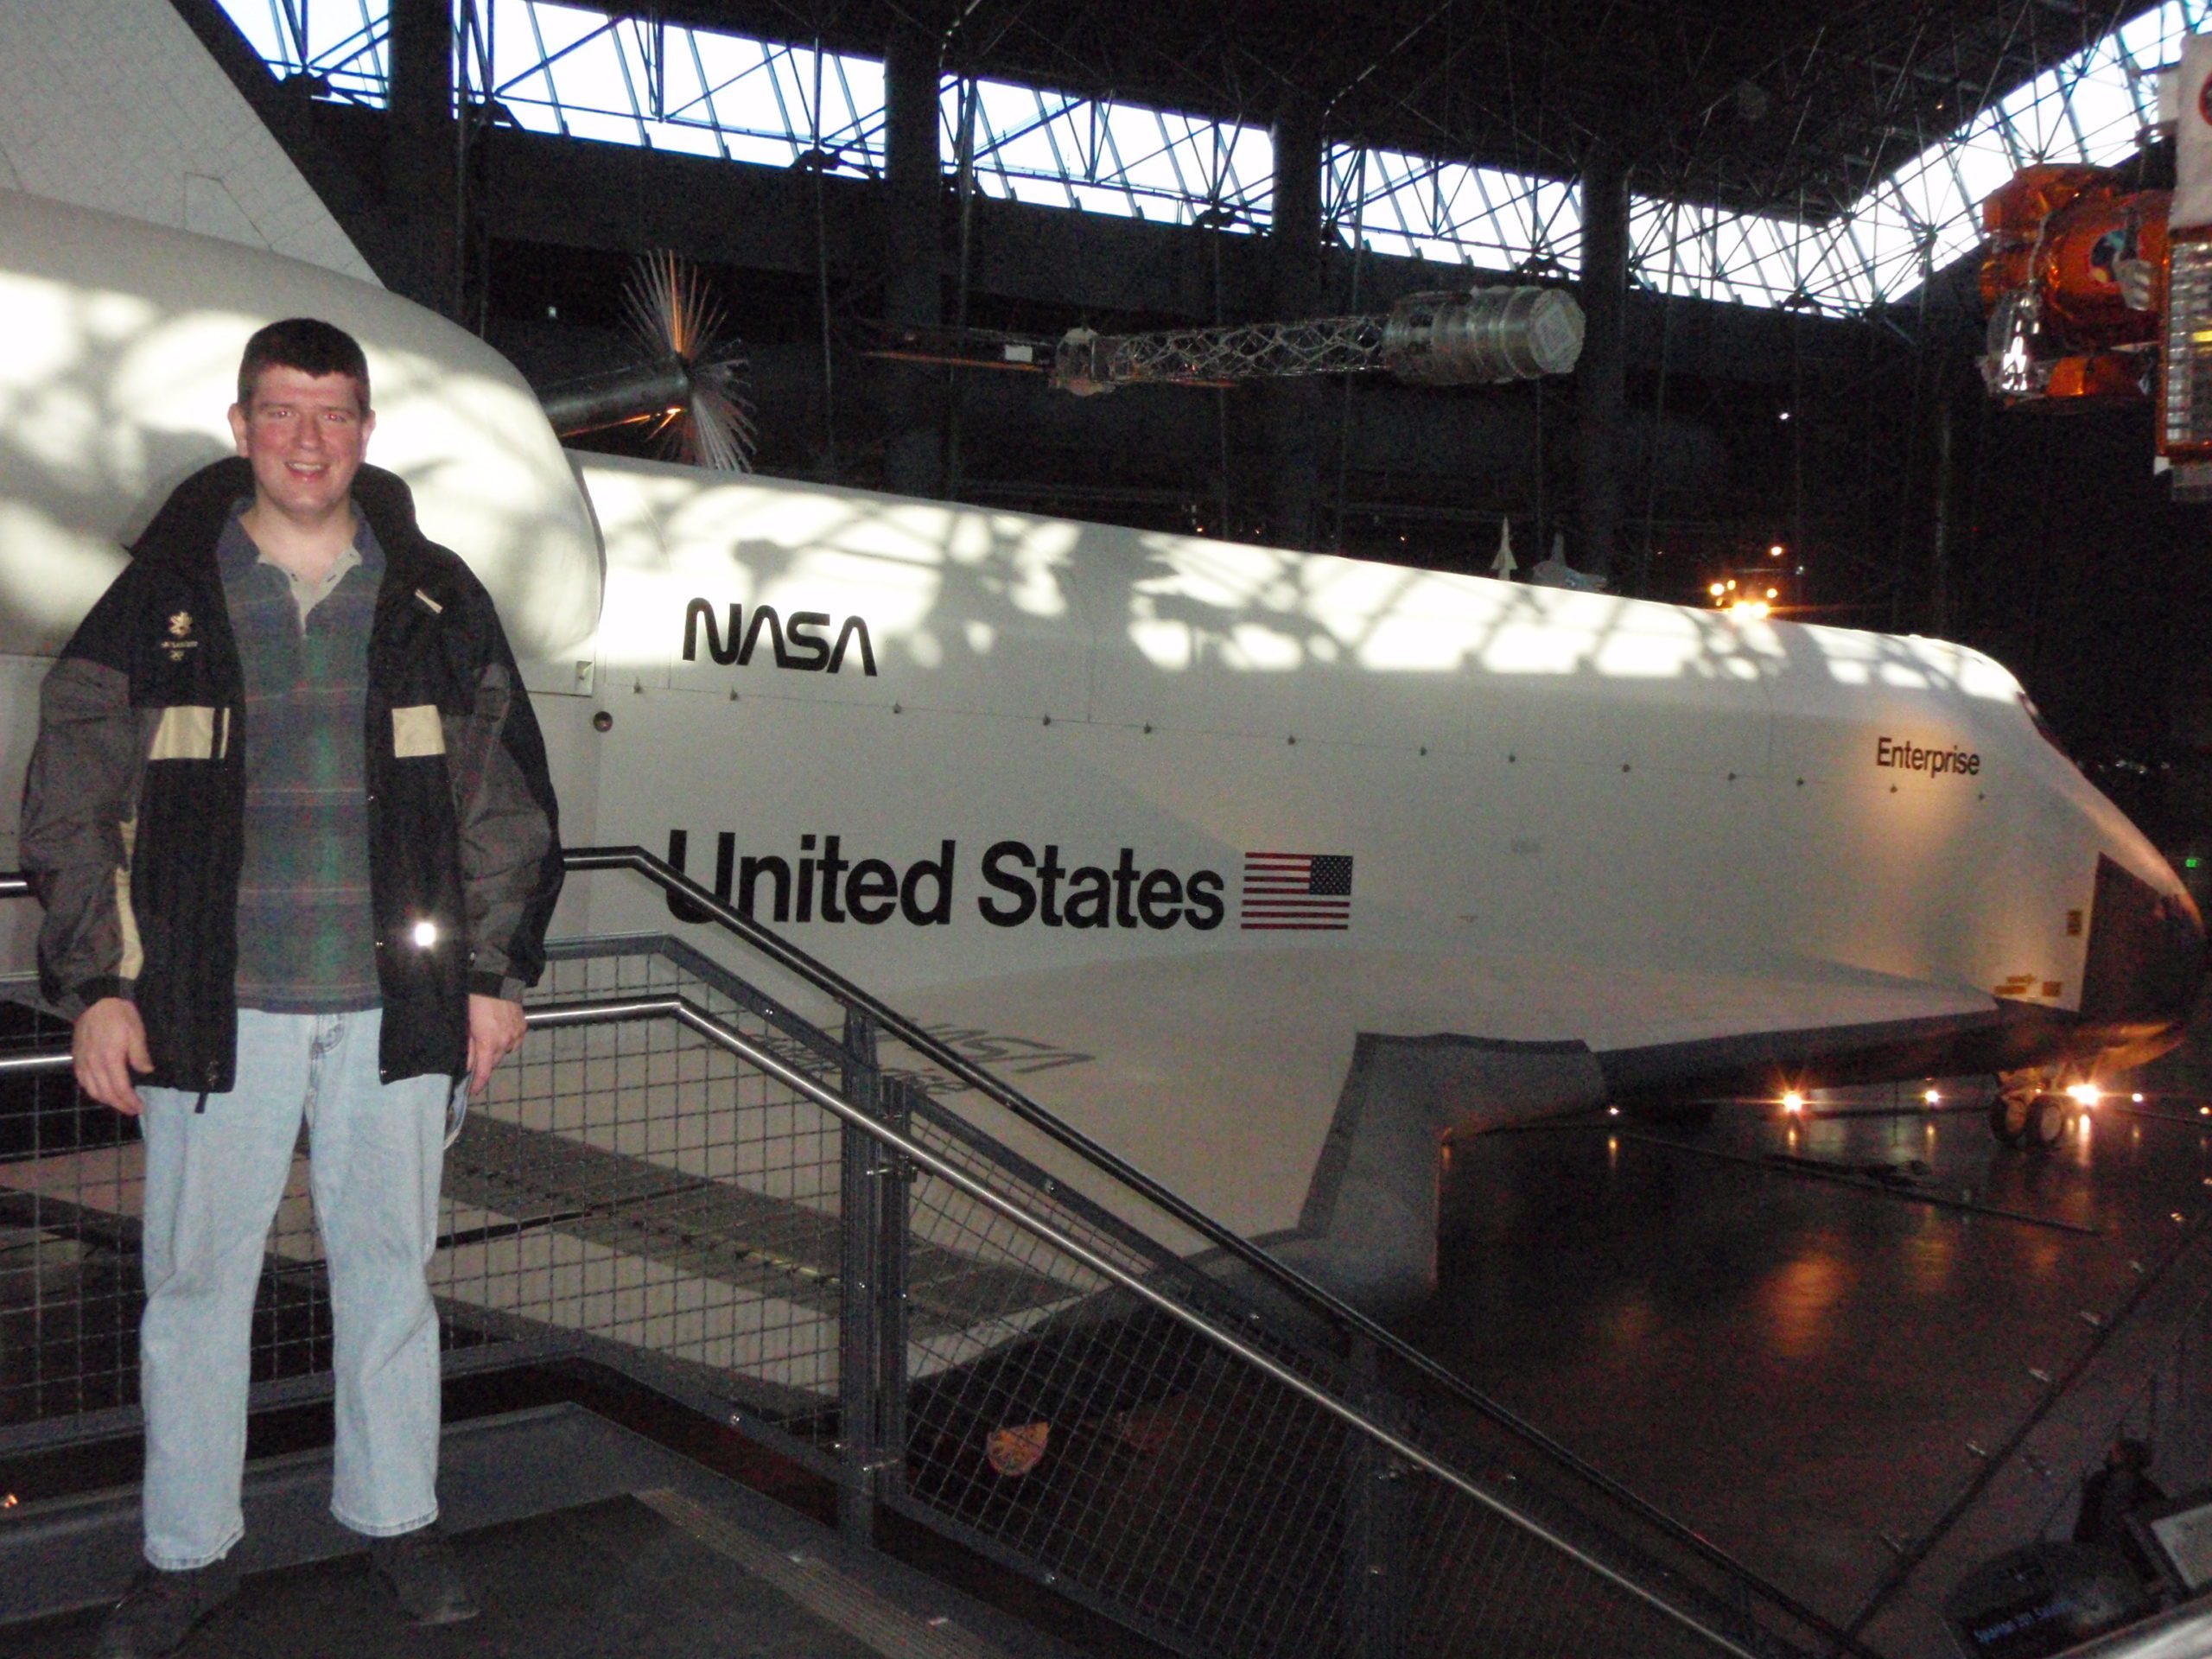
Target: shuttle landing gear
2047,1122
2030,1109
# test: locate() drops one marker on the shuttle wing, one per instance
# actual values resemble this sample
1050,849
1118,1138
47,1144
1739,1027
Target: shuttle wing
1228,1069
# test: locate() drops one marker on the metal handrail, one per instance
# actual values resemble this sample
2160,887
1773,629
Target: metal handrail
1270,1267
2182,1632
689,1015
683,1011
827,979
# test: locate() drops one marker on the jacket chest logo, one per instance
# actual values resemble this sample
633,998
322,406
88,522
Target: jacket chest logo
179,639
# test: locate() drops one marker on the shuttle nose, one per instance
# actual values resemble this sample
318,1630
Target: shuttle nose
2146,964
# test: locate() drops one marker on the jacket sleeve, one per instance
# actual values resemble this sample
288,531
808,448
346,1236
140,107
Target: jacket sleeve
510,833
78,804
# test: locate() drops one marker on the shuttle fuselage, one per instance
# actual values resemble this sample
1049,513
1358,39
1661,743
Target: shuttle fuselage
1264,868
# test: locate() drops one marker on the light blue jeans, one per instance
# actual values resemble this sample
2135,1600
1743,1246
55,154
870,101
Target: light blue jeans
214,1179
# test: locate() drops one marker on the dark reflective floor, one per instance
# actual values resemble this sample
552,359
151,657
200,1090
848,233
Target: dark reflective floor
1795,1367
614,1579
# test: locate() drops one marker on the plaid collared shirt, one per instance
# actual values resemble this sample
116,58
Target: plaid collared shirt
306,930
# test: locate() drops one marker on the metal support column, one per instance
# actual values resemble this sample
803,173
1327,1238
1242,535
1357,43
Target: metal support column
1293,408
893,1219
419,169
1378,1533
1943,507
913,394
1599,455
862,1179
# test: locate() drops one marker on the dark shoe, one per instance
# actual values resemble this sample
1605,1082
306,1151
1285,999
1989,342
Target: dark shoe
424,1576
161,1609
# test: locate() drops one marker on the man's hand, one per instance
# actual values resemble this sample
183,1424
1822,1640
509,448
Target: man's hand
108,1043
495,1030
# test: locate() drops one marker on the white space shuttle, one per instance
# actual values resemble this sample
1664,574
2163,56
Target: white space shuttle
1267,870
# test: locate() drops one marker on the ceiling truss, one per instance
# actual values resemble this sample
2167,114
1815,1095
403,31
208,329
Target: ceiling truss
1821,159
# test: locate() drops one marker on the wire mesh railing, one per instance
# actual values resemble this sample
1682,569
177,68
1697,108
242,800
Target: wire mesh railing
680,1178
1247,1496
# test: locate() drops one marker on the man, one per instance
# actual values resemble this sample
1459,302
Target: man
289,818
2113,1493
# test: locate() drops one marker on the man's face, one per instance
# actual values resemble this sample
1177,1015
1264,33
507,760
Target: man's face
305,435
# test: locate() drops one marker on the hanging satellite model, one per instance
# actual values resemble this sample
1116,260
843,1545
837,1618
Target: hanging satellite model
2096,290
2069,278
690,388
1486,337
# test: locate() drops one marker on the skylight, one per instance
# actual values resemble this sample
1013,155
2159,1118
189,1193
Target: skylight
578,72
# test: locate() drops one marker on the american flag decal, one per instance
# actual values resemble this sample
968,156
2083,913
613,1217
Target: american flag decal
1302,892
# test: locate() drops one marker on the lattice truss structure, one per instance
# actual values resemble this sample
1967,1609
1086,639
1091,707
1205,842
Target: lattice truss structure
581,74
1269,350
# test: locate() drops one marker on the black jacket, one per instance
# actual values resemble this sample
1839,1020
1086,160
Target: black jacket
134,809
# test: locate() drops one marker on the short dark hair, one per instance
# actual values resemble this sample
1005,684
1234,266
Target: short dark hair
308,344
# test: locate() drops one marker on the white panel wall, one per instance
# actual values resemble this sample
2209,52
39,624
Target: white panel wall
114,105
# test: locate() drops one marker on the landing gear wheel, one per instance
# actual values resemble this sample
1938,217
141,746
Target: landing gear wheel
2012,1112
2047,1122
2008,1120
